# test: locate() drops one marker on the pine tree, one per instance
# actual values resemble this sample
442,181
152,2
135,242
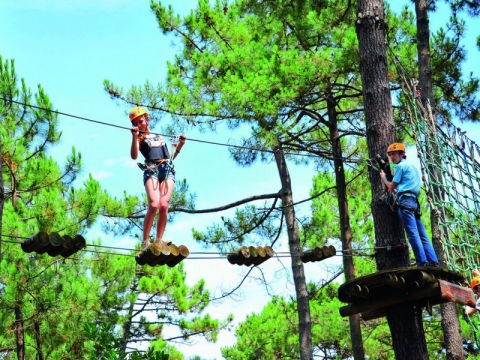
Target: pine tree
48,305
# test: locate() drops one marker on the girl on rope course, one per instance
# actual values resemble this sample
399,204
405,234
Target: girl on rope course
406,182
158,171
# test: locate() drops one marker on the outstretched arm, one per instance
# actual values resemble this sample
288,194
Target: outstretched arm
134,146
180,144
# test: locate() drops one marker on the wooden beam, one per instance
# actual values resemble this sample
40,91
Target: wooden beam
357,290
432,290
456,294
395,281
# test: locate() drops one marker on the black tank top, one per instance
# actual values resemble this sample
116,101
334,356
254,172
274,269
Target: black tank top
154,147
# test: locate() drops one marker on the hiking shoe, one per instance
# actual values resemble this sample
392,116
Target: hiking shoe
433,264
161,242
145,244
422,264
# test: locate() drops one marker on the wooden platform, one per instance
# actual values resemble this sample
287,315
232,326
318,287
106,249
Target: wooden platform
373,294
162,254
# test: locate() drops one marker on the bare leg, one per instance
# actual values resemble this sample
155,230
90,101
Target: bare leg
151,188
166,190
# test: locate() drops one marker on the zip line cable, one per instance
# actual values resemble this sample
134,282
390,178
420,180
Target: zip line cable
346,159
220,255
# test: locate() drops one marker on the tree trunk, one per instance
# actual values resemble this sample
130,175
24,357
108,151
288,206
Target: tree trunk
128,324
19,333
450,323
37,340
303,304
2,196
405,321
345,230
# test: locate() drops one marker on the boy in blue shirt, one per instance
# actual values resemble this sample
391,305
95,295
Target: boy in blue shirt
406,182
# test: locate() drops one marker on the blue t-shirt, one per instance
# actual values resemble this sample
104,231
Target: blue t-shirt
407,178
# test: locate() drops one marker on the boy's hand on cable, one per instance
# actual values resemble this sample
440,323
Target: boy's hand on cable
182,138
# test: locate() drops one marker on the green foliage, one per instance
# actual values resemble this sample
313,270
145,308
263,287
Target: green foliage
87,305
107,346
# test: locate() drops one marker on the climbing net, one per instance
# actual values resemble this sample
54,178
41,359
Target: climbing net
451,174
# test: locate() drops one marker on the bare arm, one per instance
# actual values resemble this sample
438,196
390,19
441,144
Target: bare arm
390,184
471,310
134,146
180,145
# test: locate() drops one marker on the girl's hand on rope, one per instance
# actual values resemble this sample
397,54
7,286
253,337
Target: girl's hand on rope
182,138
476,272
134,131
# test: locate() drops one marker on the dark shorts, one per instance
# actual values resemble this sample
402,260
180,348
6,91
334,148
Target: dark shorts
161,173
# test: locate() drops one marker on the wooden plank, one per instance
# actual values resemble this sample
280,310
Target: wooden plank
268,254
35,242
395,281
66,244
238,256
163,251
400,278
79,243
432,290
358,291
374,314
456,294
183,252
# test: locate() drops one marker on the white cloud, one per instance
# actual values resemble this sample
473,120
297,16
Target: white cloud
97,175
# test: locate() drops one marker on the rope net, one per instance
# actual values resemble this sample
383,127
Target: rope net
451,175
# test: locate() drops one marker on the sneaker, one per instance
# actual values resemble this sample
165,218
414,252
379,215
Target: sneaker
145,244
422,264
433,264
161,242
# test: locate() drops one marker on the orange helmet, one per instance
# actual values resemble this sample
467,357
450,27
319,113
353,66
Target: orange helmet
136,112
396,147
475,282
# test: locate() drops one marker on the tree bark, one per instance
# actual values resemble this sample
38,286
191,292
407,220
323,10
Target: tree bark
128,324
450,324
38,340
405,321
2,196
303,303
345,230
19,332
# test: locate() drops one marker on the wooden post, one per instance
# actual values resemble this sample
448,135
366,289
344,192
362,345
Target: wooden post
35,242
78,244
147,254
318,253
238,257
54,240
357,290
173,254
253,256
66,243
183,252
163,251
456,294
268,254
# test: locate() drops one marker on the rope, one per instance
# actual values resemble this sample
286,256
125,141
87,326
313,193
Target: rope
452,182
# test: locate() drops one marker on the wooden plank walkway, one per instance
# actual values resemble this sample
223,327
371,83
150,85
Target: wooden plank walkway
373,294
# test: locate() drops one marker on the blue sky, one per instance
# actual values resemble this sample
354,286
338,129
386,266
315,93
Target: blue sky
70,47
